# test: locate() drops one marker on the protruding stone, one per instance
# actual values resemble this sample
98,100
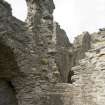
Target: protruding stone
51,51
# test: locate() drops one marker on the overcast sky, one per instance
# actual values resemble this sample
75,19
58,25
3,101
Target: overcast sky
74,16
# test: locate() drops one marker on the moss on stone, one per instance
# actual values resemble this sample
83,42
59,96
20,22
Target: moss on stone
44,61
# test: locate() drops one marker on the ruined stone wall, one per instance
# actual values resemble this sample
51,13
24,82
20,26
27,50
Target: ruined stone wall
32,49
89,74
82,44
63,56
37,60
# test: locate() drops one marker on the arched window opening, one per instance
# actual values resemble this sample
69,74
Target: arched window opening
19,8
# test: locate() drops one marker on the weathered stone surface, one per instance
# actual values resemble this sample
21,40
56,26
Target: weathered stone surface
63,56
37,60
98,39
82,44
89,74
32,51
7,94
39,10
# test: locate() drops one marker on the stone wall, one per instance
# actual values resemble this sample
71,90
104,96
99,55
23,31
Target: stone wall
82,44
7,94
37,60
32,48
63,56
89,74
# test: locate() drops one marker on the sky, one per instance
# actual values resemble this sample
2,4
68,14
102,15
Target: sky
74,16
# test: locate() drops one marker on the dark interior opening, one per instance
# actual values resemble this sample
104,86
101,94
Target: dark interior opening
8,69
8,64
70,80
7,93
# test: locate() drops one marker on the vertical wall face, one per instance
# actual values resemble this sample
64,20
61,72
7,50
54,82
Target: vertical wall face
81,45
38,85
41,54
5,9
8,70
89,80
8,65
89,74
7,94
63,56
38,65
38,9
35,50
